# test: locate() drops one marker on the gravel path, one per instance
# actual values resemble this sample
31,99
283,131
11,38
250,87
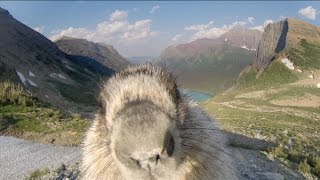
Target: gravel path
18,157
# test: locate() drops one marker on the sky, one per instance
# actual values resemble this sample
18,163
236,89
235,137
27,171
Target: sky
145,28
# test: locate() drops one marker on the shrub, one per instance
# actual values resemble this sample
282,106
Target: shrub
11,94
304,167
279,152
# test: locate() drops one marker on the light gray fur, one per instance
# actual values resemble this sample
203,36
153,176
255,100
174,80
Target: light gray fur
143,116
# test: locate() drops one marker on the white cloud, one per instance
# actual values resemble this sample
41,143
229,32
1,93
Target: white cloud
308,12
261,27
251,20
206,31
177,37
154,9
118,31
199,27
82,33
139,30
269,21
39,29
119,15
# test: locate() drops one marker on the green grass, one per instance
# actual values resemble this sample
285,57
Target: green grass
37,174
294,129
306,56
24,116
275,75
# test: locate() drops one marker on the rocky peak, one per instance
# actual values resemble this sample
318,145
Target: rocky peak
273,41
4,11
283,35
242,37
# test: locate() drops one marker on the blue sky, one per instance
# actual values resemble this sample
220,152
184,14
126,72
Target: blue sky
145,28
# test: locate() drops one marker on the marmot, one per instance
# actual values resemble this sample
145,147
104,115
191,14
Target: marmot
149,129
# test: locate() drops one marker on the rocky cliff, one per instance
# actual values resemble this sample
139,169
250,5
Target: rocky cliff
283,35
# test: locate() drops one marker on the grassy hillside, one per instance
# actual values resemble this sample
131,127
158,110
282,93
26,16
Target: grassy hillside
278,105
274,75
24,116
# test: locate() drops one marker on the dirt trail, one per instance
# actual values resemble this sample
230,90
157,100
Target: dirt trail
20,157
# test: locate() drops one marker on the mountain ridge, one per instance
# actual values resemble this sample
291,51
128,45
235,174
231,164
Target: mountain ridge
101,52
68,81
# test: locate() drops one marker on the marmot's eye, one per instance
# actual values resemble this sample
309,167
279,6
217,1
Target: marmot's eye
170,146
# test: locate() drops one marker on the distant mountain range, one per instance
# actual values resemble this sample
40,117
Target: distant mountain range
212,65
66,74
141,59
242,37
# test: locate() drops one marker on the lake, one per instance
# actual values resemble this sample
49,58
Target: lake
199,96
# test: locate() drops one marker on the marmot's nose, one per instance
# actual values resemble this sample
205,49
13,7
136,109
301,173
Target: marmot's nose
149,163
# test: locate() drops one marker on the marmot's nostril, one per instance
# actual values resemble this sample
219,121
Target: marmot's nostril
136,161
157,158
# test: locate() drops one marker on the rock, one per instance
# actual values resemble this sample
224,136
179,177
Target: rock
283,35
270,176
288,63
318,85
273,41
311,76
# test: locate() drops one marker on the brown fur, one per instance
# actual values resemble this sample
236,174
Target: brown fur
201,154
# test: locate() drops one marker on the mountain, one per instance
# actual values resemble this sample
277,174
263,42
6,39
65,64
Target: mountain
141,59
282,36
242,37
277,98
210,65
288,50
103,53
67,81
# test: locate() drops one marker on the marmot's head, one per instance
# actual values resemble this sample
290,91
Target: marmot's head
145,141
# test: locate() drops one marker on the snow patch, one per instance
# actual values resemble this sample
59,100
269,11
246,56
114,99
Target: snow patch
288,63
22,78
311,76
70,68
61,76
318,85
31,74
32,83
244,47
226,40
55,75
